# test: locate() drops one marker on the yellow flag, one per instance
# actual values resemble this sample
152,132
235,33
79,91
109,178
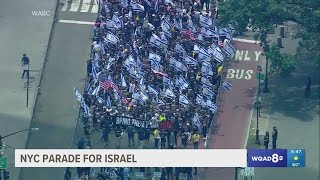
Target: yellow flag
220,69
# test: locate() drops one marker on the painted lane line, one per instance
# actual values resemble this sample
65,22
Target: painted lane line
75,22
95,8
64,6
246,40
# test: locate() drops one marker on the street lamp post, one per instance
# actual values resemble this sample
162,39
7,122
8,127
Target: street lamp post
258,104
6,173
266,80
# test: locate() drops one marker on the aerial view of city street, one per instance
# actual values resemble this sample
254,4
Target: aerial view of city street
160,74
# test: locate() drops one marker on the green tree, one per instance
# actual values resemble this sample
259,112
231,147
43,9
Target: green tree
281,63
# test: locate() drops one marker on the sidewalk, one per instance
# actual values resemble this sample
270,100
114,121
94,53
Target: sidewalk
20,33
296,118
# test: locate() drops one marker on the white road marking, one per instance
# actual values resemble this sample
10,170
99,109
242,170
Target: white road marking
75,22
95,8
75,6
85,5
246,40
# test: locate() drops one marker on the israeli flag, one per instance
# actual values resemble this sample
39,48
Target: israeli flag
207,92
139,64
133,73
86,110
96,91
183,83
143,96
108,101
205,21
206,69
89,88
100,100
110,62
117,20
210,33
78,95
166,28
200,37
183,100
101,44
137,7
94,73
161,103
191,26
216,54
111,38
177,23
203,54
230,50
167,81
153,90
211,106
111,24
155,65
190,61
196,48
123,81
180,49
226,85
124,3
164,39
199,99
156,6
169,94
156,41
196,120
165,24
129,62
177,65
206,81
154,57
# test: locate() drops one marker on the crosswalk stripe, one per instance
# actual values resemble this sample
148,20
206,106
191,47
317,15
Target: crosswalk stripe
85,5
64,6
75,22
75,6
95,8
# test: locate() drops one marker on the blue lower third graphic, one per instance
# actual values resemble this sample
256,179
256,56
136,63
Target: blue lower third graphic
296,157
267,158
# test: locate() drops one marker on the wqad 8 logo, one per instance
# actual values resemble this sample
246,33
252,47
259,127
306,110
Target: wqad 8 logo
267,158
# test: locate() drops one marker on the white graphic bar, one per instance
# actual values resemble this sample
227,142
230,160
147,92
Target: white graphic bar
75,6
130,158
85,5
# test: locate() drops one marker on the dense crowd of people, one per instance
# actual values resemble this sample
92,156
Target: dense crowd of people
155,71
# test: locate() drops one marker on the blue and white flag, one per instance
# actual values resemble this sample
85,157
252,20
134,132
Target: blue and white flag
110,62
183,100
205,21
153,90
89,88
226,85
156,42
137,7
155,65
123,81
211,106
129,62
111,38
177,23
124,3
169,94
182,83
196,48
78,95
154,57
108,102
167,81
177,65
133,73
199,99
196,120
207,92
156,6
100,100
200,37
190,61
94,73
86,110
204,54
110,24
117,20
143,96
165,24
210,33
216,53
206,81
96,91
206,68
230,50
161,103
180,49
166,28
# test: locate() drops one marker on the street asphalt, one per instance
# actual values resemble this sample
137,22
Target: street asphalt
56,110
21,32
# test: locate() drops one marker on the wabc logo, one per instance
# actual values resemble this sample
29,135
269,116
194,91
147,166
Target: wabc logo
267,158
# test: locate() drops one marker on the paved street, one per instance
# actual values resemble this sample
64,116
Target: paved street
235,106
296,118
56,109
21,32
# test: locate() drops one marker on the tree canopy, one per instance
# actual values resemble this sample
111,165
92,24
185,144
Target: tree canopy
265,14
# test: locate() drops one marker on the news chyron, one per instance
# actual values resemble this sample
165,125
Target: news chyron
276,158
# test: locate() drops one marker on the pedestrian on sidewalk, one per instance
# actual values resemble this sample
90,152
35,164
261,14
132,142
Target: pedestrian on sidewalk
25,65
119,133
274,138
105,135
196,140
140,138
146,139
130,132
266,140
308,86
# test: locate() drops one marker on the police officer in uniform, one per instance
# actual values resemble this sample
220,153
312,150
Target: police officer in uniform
274,138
